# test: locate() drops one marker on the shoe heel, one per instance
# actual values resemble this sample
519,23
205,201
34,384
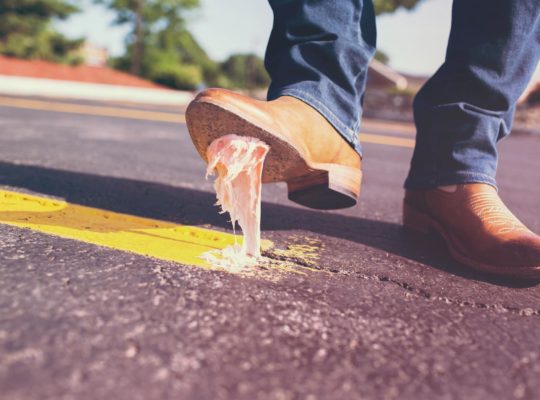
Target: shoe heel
416,221
329,187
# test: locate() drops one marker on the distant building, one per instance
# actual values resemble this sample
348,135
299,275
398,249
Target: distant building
381,76
93,55
532,93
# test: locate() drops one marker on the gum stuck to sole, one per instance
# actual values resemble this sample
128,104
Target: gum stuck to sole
238,162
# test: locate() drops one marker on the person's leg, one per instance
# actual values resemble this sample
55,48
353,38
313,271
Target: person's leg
318,58
468,105
460,115
319,52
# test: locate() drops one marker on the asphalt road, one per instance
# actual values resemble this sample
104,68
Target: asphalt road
382,315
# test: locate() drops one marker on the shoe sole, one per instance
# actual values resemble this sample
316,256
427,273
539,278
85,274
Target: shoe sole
314,185
420,222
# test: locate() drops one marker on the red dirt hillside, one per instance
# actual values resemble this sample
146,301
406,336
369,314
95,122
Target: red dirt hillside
82,73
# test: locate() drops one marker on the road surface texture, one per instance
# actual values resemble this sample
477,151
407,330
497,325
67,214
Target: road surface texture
370,313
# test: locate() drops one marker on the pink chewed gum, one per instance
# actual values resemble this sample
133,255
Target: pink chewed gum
239,162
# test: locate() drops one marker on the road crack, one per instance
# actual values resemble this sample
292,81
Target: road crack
500,308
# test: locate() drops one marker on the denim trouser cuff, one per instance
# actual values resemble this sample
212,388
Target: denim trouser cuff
455,178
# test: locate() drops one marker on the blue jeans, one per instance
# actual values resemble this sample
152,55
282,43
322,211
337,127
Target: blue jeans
319,52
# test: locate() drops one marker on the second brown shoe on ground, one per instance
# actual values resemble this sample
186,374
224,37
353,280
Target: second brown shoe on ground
321,169
477,227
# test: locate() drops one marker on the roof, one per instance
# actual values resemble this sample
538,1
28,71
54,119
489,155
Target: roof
387,74
82,73
532,92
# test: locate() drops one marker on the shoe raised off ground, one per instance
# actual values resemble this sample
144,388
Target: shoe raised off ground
478,228
321,169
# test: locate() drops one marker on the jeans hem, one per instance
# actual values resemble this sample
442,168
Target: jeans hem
454,178
348,134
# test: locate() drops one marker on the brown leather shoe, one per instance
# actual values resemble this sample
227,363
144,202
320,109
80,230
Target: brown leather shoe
321,169
479,230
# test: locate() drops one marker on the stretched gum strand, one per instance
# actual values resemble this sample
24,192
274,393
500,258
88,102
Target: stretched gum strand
238,161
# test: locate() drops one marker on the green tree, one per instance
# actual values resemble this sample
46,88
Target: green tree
173,57
25,29
382,57
389,6
176,39
145,17
245,71
161,48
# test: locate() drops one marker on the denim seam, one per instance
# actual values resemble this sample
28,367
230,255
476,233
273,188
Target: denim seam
332,117
457,177
356,126
359,21
366,46
359,38
466,174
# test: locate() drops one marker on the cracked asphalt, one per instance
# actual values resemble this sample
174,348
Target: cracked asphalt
383,315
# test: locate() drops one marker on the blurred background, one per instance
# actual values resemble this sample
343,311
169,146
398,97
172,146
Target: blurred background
187,45
96,303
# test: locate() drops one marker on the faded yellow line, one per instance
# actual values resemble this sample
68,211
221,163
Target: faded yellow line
162,116
148,237
400,128
387,140
92,110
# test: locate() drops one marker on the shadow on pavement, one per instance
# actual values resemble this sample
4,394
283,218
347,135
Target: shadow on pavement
194,207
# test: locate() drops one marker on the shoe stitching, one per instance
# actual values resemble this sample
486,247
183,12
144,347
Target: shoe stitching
492,211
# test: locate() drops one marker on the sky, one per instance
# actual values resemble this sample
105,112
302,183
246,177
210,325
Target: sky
414,40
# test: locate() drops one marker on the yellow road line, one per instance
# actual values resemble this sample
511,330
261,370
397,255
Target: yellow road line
387,140
92,110
144,236
400,128
163,116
